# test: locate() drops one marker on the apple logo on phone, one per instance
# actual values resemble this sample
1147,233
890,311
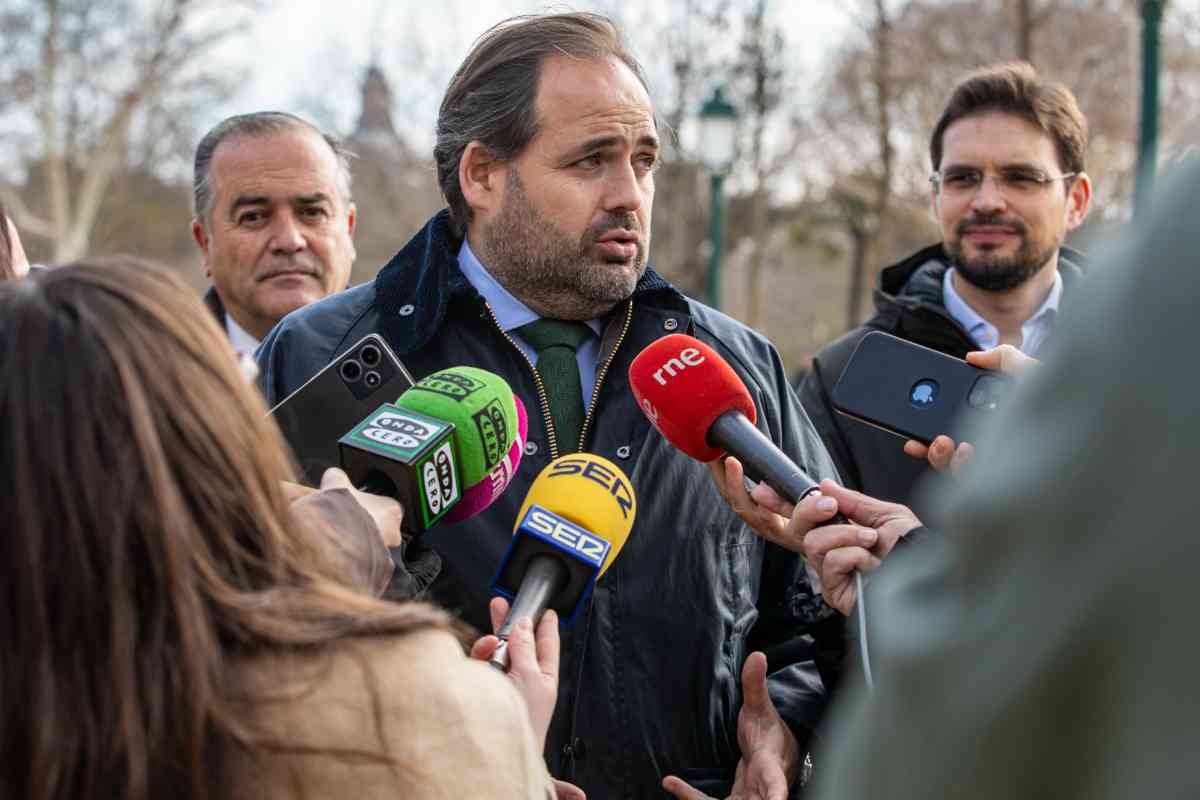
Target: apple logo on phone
923,393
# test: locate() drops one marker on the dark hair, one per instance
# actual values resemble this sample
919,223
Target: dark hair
149,551
1015,88
6,257
492,97
260,123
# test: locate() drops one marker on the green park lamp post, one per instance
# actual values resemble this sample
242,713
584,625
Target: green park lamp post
718,129
1152,11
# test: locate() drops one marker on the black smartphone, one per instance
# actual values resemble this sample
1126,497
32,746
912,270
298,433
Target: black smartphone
336,399
913,391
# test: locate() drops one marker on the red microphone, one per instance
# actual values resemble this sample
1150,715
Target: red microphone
696,400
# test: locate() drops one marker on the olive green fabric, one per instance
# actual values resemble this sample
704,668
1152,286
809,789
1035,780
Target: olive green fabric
556,342
1045,646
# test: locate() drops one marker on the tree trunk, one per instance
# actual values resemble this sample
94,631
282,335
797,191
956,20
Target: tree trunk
57,191
858,268
1025,30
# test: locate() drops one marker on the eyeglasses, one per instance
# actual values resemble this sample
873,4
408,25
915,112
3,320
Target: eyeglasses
961,182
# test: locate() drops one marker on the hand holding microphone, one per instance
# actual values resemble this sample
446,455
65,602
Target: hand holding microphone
573,523
696,400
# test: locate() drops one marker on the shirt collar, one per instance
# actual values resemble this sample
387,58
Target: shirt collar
979,328
510,312
242,341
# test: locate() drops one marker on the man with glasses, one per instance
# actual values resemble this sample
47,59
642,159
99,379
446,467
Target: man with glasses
1008,185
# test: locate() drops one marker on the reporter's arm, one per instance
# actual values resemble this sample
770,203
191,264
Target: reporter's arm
351,537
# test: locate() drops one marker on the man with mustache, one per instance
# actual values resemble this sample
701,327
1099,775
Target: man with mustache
1008,185
274,220
547,145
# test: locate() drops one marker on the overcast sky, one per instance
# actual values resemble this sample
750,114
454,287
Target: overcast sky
309,55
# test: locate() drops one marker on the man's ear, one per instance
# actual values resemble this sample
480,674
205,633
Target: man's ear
481,176
1079,200
351,219
202,241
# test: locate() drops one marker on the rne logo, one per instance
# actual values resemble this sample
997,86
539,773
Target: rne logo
688,357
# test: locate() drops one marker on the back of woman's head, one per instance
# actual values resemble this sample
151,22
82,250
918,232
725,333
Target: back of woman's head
147,537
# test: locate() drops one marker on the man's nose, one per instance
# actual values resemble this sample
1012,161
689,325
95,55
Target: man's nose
988,196
287,235
623,190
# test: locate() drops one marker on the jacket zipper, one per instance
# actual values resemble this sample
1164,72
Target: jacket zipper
541,387
537,380
587,419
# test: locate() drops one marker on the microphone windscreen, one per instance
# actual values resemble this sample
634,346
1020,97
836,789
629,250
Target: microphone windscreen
591,492
480,406
682,386
484,493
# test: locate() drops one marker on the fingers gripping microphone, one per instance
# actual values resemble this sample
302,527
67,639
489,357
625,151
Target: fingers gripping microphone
696,400
573,523
448,432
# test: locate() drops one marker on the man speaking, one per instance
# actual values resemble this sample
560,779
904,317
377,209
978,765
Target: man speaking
546,152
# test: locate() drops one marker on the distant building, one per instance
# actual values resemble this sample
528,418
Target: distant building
395,188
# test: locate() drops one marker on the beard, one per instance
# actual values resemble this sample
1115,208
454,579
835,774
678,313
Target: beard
552,273
990,271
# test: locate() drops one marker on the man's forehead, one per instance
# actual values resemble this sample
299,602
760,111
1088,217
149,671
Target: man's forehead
997,137
581,98
297,161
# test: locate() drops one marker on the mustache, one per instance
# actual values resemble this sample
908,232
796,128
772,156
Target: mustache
612,222
989,219
304,265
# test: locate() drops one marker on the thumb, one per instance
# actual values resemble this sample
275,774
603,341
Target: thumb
754,683
334,478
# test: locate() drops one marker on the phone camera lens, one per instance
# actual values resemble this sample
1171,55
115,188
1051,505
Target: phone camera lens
351,370
372,379
370,355
987,392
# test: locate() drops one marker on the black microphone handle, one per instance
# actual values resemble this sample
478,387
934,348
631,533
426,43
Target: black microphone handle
762,460
544,577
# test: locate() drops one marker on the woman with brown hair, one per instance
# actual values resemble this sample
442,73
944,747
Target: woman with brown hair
171,628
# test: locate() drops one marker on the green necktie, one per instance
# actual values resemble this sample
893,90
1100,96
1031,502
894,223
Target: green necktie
556,341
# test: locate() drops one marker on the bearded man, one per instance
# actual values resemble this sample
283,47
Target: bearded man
1008,185
546,151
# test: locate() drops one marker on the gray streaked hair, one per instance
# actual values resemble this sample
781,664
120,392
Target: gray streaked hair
260,123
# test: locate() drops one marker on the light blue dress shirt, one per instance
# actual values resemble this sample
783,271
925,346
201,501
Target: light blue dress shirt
511,313
1034,331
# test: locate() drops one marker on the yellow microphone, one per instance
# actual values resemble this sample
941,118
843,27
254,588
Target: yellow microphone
573,523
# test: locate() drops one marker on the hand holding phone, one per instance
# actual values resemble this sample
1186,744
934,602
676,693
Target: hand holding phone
915,392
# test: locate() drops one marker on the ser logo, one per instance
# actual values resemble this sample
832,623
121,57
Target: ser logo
597,473
398,430
450,384
688,357
493,431
591,547
441,485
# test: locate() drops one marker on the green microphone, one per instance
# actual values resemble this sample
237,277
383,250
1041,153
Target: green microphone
441,437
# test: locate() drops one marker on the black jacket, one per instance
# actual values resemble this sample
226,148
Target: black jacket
908,304
650,674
